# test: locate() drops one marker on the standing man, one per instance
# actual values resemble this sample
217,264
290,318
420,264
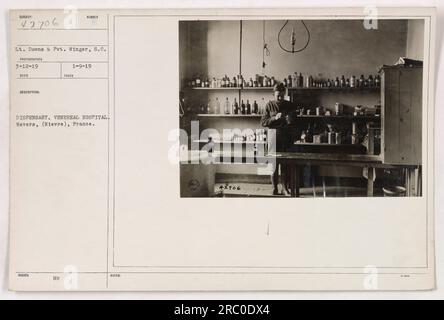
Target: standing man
275,118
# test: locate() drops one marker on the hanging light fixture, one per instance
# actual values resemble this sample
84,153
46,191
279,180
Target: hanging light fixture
293,39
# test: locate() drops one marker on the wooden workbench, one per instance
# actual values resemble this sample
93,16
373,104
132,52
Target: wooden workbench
296,160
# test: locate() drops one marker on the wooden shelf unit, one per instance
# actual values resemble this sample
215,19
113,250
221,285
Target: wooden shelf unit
294,89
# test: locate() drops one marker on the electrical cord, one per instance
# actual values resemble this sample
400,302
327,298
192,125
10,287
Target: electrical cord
265,50
294,51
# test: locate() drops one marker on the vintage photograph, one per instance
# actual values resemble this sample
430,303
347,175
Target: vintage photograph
301,108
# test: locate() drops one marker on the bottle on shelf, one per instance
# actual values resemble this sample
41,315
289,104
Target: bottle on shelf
257,81
353,82
227,106
330,137
217,106
347,83
235,107
262,106
342,81
272,81
248,107
243,107
285,82
300,80
208,107
251,83
255,107
310,81
338,138
309,133
336,85
371,82
361,81
289,81
295,79
377,81
233,82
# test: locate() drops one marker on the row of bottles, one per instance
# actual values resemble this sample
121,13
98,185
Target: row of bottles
329,135
292,81
338,109
256,135
231,82
297,81
233,107
259,135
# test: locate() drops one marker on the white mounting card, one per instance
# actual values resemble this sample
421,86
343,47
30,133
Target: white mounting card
127,173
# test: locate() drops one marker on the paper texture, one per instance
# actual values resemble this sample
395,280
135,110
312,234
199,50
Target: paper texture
99,200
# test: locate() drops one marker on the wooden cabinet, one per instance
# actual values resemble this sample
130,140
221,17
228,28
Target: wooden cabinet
401,98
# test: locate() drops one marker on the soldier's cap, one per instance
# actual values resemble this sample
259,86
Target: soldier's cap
279,87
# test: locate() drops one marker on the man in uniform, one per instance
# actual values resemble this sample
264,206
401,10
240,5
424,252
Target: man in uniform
277,113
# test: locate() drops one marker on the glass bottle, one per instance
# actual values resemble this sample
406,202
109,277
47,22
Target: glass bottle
208,107
235,107
377,81
361,81
243,108
228,81
328,84
353,82
227,106
263,106
248,109
272,81
217,106
371,82
255,107
342,81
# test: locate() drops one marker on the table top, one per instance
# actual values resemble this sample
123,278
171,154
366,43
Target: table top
305,158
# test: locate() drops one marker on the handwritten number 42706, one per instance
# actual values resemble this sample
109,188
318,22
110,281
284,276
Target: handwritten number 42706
39,24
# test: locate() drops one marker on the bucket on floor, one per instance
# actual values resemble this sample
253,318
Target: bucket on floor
396,191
